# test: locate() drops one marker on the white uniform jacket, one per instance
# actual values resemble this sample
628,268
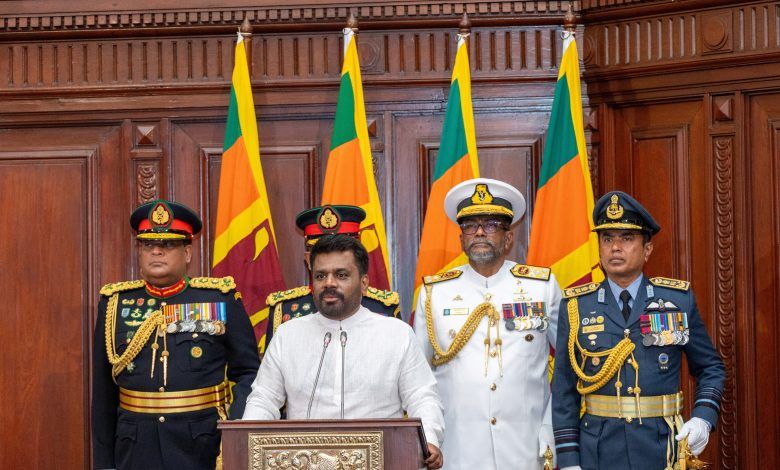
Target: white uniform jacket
492,421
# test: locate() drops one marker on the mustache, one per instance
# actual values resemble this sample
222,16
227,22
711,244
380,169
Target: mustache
333,292
481,240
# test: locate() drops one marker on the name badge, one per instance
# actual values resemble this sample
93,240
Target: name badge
456,311
592,329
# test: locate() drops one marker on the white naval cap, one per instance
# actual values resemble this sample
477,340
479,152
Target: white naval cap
484,196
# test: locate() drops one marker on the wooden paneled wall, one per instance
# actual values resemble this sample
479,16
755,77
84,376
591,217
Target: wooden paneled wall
102,109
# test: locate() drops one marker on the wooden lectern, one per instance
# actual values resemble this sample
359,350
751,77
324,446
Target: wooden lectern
365,444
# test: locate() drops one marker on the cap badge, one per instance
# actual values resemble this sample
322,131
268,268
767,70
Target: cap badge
481,195
160,215
328,219
614,210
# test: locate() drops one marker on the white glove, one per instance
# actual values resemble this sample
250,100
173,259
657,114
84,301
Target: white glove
698,432
546,440
576,467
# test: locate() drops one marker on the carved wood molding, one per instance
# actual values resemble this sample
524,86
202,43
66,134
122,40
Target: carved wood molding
268,16
604,10
166,65
746,32
723,147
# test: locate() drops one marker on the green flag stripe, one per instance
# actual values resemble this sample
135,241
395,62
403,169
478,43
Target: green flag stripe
453,137
233,128
344,127
561,144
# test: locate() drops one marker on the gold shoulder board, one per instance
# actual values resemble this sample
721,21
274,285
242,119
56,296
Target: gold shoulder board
223,284
670,283
387,297
445,276
276,297
580,290
111,289
531,272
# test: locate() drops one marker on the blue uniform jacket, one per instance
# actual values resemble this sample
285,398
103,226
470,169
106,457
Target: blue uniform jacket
600,443
124,439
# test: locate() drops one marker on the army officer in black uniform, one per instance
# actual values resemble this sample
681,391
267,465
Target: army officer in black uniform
297,302
166,349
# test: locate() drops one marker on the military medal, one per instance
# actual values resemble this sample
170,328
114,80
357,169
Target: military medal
510,324
661,327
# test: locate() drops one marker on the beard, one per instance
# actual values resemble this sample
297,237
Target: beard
337,309
485,252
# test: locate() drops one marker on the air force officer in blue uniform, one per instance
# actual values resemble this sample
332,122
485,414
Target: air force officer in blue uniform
619,354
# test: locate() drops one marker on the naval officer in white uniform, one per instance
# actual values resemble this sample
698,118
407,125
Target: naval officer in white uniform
487,328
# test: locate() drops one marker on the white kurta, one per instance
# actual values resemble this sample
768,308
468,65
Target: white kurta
385,373
492,422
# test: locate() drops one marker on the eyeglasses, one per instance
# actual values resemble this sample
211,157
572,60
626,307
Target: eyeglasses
165,245
488,226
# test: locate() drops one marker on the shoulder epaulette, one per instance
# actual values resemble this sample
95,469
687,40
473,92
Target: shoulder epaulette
445,276
531,272
670,283
387,297
113,288
289,294
223,284
579,290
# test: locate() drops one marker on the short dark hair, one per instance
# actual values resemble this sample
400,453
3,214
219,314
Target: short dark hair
338,242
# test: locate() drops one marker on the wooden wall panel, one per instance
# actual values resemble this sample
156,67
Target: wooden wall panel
764,293
41,367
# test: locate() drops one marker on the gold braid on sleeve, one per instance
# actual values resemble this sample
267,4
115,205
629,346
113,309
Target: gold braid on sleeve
143,333
277,316
616,356
442,357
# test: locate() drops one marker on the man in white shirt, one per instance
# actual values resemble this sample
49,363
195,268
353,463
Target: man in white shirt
384,371
487,328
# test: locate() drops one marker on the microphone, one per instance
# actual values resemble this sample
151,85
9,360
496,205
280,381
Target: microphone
343,344
325,343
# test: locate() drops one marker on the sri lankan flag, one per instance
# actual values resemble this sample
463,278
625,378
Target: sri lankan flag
349,176
561,228
245,244
456,162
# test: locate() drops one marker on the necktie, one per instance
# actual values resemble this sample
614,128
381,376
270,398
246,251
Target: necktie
625,297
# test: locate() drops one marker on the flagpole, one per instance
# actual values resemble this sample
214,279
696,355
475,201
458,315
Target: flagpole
464,29
569,27
245,31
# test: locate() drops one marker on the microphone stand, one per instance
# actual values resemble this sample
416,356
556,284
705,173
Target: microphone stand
343,344
325,343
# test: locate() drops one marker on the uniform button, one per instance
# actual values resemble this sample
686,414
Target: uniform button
162,389
630,361
492,386
629,419
162,419
493,352
586,424
194,335
492,420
